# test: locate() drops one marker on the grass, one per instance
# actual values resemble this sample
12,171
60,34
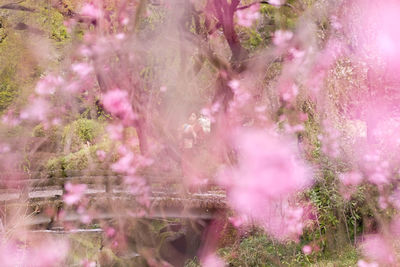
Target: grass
259,250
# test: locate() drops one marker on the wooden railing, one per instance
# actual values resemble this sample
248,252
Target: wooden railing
37,193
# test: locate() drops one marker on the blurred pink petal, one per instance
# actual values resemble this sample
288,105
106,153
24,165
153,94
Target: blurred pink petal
117,102
247,16
115,131
82,69
277,2
211,260
101,154
74,193
91,11
378,249
351,178
362,263
282,37
268,173
48,85
38,110
307,249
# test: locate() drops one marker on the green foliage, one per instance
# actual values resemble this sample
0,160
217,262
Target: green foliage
253,39
53,21
80,132
77,161
148,22
20,62
193,263
55,167
83,246
278,18
50,138
326,200
339,221
52,133
346,256
3,33
257,249
8,87
39,131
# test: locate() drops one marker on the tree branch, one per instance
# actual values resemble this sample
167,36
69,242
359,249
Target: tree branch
16,6
264,3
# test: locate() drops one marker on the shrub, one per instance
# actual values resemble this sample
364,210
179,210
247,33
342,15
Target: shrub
76,161
79,133
8,88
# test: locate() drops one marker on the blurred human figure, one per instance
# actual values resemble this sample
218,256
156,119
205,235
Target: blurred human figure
203,128
189,134
193,135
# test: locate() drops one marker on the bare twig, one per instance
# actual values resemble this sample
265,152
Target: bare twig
17,6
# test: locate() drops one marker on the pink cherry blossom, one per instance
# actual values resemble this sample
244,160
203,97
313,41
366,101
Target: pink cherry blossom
234,85
335,23
101,154
294,129
382,202
74,193
115,131
212,260
375,28
307,249
362,263
281,37
124,20
239,221
276,2
330,140
110,232
88,263
44,253
86,218
303,116
394,199
91,11
48,85
394,227
120,36
117,103
247,16
375,166
47,253
82,69
260,109
296,54
10,119
378,249
289,93
351,178
125,164
38,110
4,148
268,173
269,165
